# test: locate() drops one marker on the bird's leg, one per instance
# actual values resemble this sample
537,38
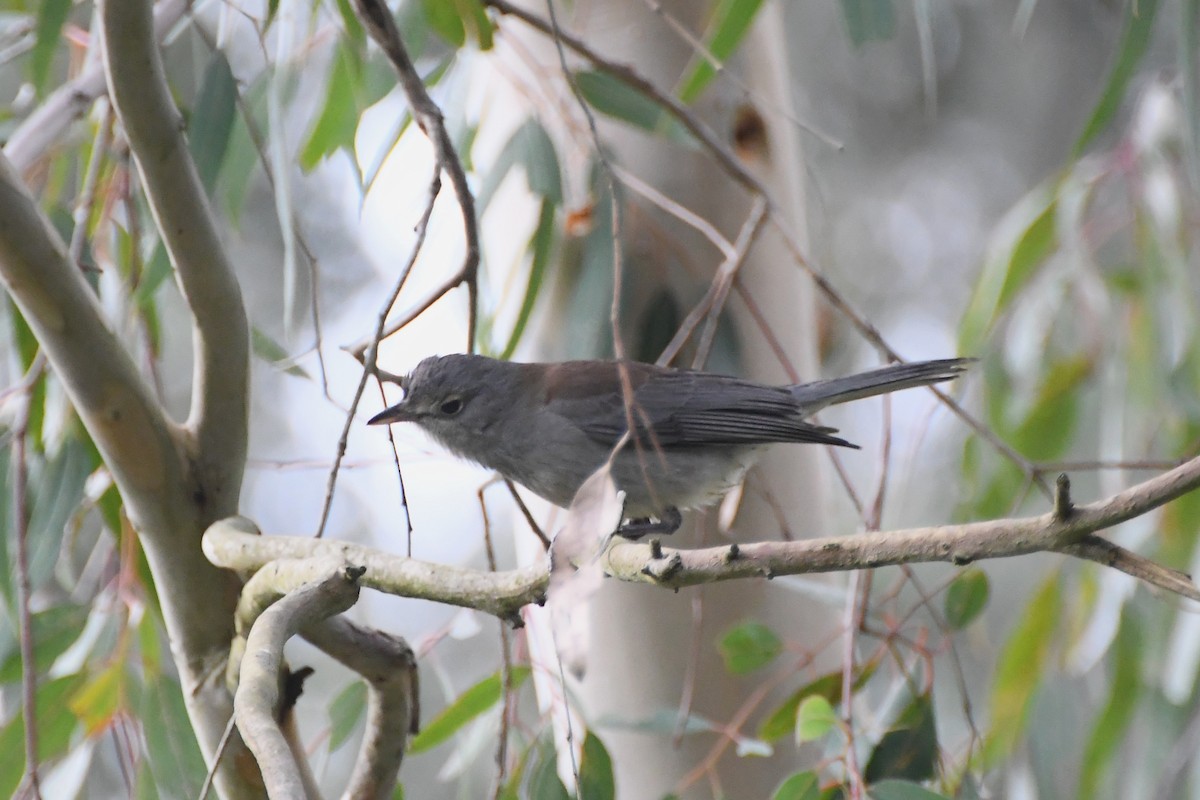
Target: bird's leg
667,523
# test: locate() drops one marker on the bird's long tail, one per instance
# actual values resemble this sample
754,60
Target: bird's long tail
818,394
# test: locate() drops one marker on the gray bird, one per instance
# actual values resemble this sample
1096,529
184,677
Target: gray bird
548,427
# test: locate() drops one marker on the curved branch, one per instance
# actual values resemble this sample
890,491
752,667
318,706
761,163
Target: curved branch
257,701
136,440
389,667
138,88
235,543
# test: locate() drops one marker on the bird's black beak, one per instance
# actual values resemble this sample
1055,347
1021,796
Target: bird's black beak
396,413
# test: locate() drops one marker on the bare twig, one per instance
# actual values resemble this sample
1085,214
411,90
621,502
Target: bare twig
506,674
529,520
87,193
714,298
1062,498
29,781
699,48
372,351
206,787
377,19
728,161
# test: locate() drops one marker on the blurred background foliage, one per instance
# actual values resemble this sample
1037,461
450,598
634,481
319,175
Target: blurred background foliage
1019,178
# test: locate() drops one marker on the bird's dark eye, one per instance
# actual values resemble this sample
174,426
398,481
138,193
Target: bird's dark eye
452,406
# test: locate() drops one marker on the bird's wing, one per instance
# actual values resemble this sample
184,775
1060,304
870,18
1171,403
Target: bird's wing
678,408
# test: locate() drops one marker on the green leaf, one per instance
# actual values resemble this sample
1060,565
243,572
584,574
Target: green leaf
617,99
345,712
596,781
814,719
351,26
101,698
1029,235
902,790
529,147
171,747
867,20
544,783
469,705
801,786
748,647
338,121
158,269
966,597
1112,724
54,630
480,24
1019,672
909,749
27,348
542,244
150,646
730,21
1046,430
57,491
56,725
212,119
783,720
445,19
665,722
1139,25
52,15
273,353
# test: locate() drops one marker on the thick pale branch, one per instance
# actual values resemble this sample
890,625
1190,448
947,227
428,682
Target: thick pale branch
959,544
154,127
389,667
138,443
258,697
235,544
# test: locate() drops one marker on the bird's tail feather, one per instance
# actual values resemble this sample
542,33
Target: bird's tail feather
818,394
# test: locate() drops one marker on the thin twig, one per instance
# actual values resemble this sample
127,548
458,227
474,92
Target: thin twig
506,673
408,535
529,520
721,71
726,274
24,589
372,353
377,19
688,694
728,161
87,193
226,735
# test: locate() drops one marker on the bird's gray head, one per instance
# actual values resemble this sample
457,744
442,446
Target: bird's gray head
455,398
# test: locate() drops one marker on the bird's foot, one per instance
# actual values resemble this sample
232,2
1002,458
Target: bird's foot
667,523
